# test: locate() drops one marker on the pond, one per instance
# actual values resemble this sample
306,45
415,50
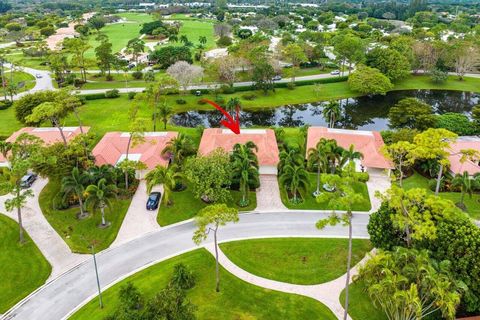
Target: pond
367,113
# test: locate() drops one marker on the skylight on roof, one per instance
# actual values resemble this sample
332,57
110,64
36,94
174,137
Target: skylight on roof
131,156
346,131
246,131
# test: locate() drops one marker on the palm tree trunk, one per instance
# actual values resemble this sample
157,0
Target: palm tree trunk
80,202
462,196
349,260
244,191
102,209
439,178
217,273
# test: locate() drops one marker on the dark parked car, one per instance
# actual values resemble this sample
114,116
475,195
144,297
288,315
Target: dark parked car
28,180
153,200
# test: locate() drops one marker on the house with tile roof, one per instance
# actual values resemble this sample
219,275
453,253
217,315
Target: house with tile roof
369,143
264,139
459,165
112,149
49,135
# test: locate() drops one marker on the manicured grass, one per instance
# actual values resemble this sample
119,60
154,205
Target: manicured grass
295,260
98,82
195,28
360,307
32,62
20,76
424,82
236,299
79,234
472,204
310,202
22,266
185,206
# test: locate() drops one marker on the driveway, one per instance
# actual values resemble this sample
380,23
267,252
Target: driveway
268,195
138,220
52,246
63,295
378,182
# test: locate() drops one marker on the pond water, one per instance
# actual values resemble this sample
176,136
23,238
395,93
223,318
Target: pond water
367,113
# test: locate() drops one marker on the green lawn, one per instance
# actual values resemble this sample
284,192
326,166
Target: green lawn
236,300
295,260
472,204
185,206
195,28
79,234
360,307
310,202
20,76
22,266
118,81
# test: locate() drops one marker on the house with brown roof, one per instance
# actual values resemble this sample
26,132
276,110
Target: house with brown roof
459,165
112,149
264,139
369,143
49,135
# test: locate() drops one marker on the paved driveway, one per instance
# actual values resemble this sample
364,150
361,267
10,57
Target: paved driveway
268,195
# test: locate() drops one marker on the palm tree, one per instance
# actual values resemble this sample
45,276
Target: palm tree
245,172
179,148
350,155
184,39
202,40
74,184
289,156
168,176
173,38
295,180
165,111
317,157
99,197
245,151
331,112
232,105
466,185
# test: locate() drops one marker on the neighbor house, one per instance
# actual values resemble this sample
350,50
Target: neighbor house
459,165
369,143
48,135
264,139
112,149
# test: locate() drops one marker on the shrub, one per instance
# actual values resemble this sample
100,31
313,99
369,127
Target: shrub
94,96
457,123
227,89
224,41
109,77
249,96
439,76
5,104
220,100
362,176
110,94
181,101
131,95
182,277
290,86
137,75
383,233
201,102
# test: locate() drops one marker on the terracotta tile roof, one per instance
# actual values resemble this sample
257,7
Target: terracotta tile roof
48,135
223,138
113,146
462,143
369,143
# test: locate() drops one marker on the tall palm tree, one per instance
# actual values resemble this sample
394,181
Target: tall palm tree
289,156
350,155
184,39
465,183
99,197
245,172
165,111
74,184
168,176
331,112
295,180
202,40
317,158
232,105
245,151
179,148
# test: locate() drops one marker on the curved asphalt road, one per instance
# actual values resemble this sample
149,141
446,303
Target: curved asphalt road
60,297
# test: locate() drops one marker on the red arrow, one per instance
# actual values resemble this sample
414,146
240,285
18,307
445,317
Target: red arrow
232,124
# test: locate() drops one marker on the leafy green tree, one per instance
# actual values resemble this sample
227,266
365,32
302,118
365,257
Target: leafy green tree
400,153
262,76
165,56
167,176
383,234
74,184
179,148
390,62
295,180
156,95
50,111
104,55
99,196
466,184
5,148
407,284
349,49
332,112
78,47
209,219
170,303
210,176
369,81
232,105
343,197
457,123
412,113
294,54
135,47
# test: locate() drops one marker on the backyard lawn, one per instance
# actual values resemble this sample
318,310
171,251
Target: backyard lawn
236,299
295,260
185,206
472,204
22,266
310,202
79,234
360,307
